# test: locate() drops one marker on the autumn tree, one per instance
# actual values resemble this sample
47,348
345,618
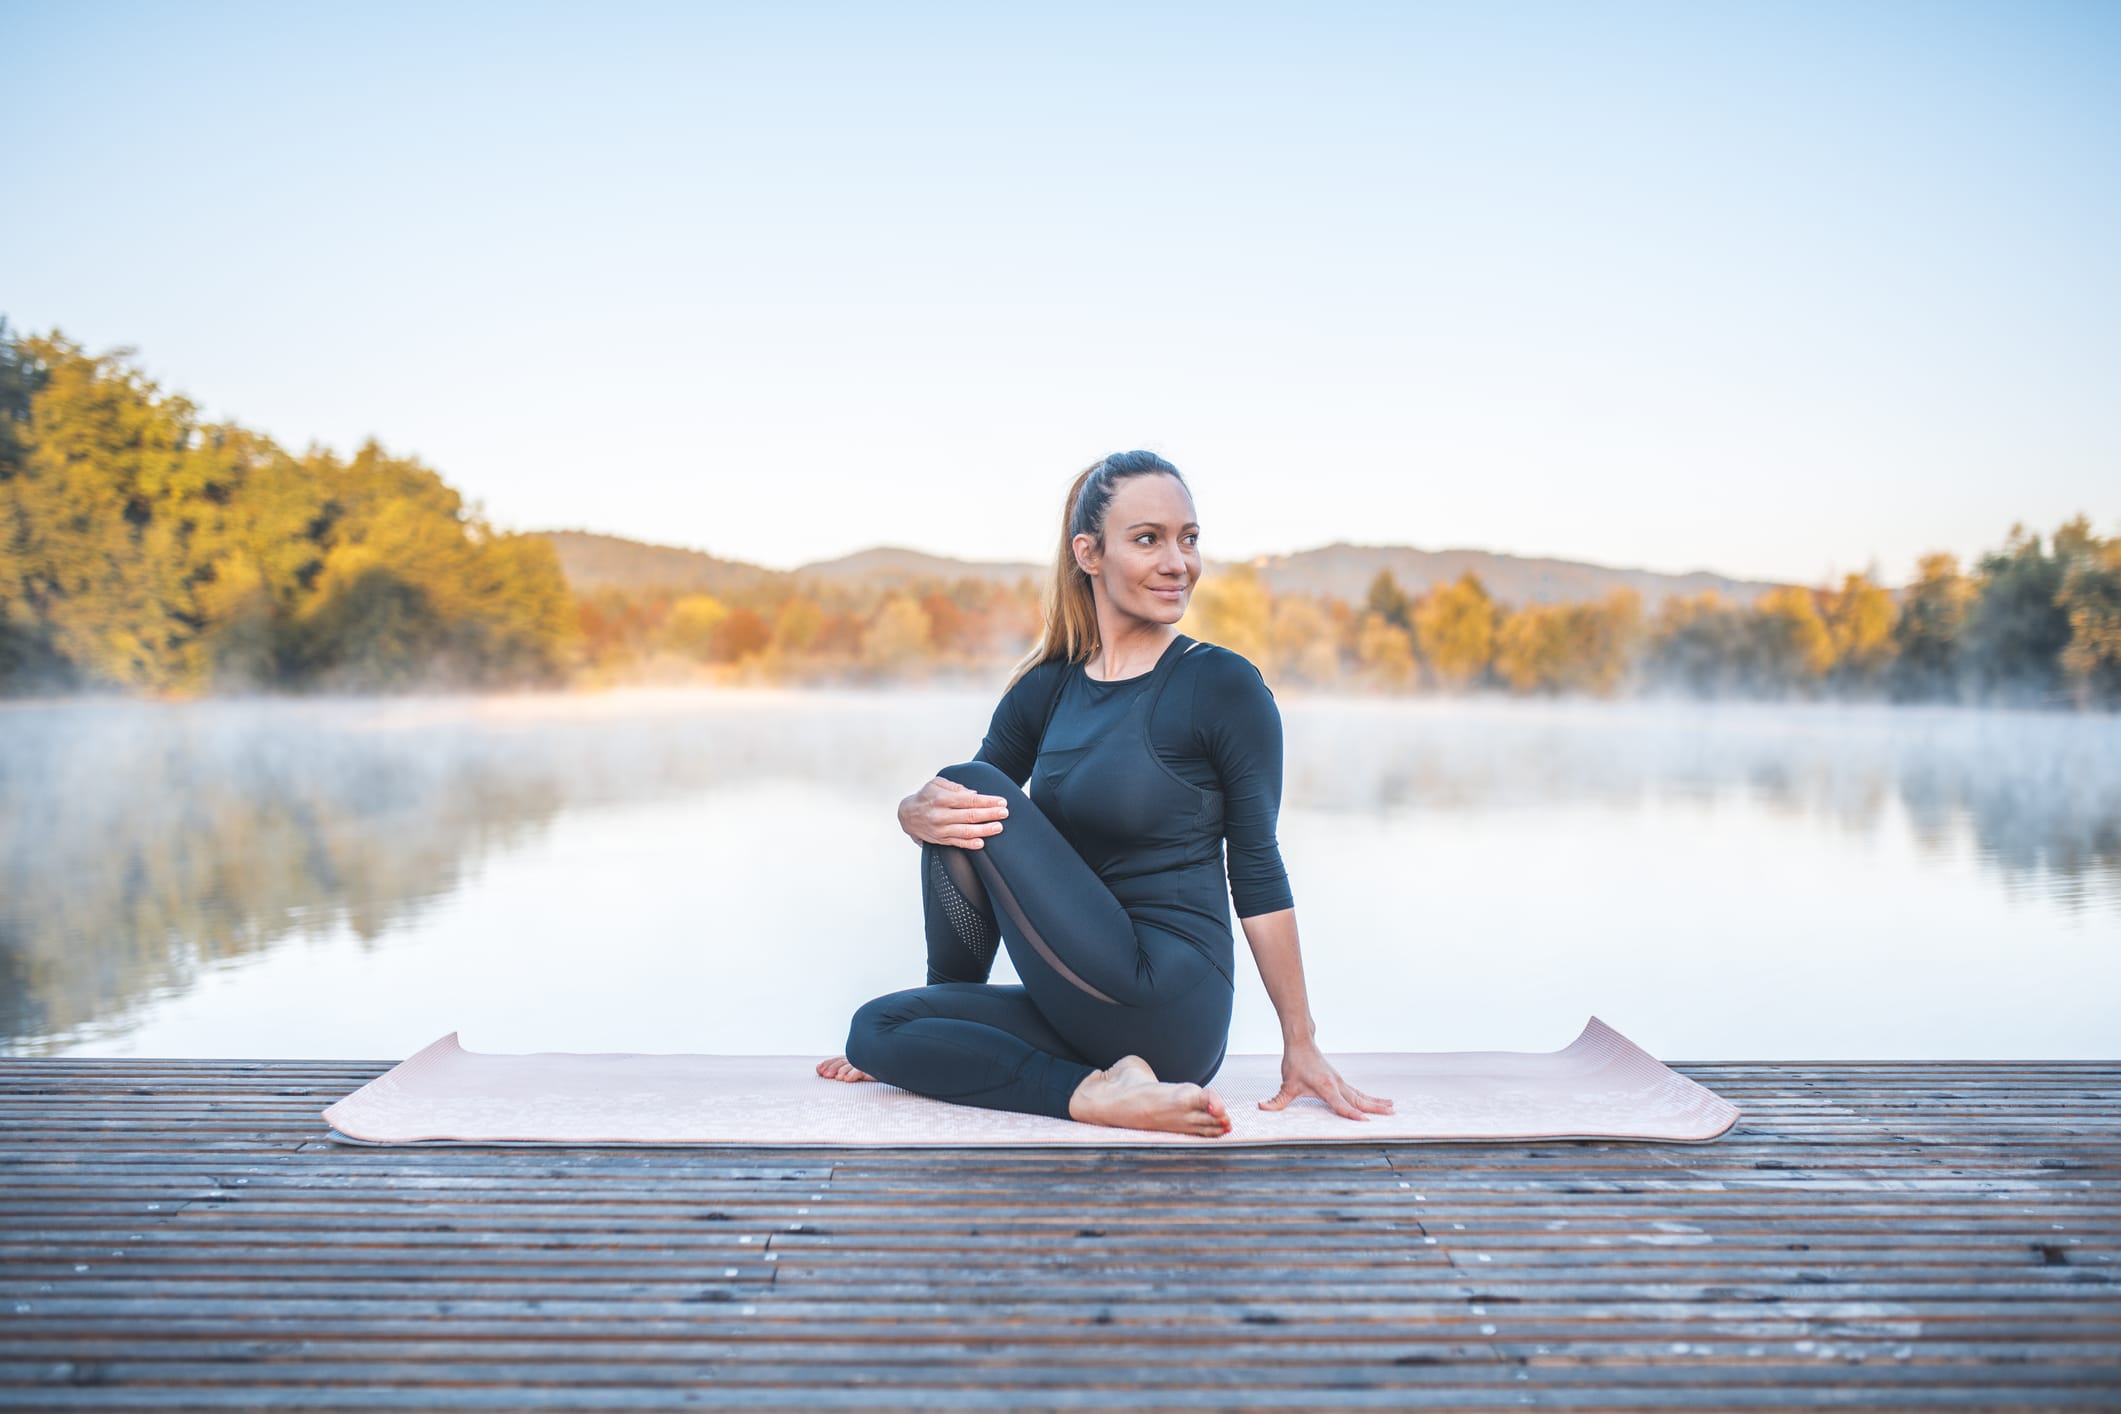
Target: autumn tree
688,629
796,624
948,624
1794,649
898,637
1608,635
1532,648
1555,648
1384,654
2091,597
1454,629
1859,624
1300,642
742,633
415,588
26,652
1230,607
107,500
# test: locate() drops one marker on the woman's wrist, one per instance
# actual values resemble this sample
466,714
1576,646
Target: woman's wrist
1295,1036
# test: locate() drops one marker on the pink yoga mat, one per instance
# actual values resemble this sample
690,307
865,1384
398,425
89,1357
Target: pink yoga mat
1599,1086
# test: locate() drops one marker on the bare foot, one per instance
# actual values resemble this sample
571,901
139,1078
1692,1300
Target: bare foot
1128,1094
837,1068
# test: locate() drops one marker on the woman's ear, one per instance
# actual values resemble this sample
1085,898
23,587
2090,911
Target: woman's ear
1086,554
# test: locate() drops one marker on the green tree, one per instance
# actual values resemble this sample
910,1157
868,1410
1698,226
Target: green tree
1389,602
2017,629
1927,633
1699,644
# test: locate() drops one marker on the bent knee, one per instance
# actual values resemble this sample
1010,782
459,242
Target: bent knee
873,1020
982,776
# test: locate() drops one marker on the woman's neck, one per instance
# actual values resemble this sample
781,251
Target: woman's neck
1128,651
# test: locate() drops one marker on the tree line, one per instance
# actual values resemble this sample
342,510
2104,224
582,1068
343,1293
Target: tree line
144,548
2035,623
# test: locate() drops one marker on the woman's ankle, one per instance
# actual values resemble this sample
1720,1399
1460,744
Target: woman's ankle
1083,1102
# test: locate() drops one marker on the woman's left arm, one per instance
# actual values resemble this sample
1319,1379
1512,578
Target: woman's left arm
1241,729
1304,1068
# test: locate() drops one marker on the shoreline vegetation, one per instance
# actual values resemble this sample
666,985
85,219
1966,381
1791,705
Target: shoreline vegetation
147,552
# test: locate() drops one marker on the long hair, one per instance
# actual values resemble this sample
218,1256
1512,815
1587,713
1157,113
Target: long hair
1069,610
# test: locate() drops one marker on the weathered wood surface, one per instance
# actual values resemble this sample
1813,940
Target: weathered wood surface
180,1234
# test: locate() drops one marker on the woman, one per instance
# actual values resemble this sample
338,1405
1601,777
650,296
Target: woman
1148,751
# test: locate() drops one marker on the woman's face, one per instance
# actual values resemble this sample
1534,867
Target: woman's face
1151,557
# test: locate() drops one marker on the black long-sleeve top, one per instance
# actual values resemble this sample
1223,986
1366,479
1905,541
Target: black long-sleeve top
1214,725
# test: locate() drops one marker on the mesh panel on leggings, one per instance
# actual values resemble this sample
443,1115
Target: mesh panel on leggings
964,905
1006,897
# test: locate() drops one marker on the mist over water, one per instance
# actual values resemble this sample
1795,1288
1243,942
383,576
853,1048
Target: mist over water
721,871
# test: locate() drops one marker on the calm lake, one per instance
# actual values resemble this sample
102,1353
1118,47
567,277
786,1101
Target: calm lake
721,871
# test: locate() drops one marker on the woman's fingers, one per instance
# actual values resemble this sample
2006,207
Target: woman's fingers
969,835
1342,1098
958,805
962,815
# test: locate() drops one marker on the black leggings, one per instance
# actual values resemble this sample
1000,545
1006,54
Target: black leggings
1097,985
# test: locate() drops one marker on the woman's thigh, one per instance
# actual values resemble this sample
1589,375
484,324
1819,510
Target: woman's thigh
1067,935
1111,986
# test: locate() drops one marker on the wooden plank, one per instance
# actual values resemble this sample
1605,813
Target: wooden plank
184,1234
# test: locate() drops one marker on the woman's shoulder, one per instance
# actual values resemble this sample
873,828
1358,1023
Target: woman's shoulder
1228,694
1037,683
1224,669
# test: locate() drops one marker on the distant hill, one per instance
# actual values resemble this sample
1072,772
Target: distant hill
594,561
1345,570
889,563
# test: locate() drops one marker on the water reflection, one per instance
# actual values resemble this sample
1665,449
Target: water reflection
145,846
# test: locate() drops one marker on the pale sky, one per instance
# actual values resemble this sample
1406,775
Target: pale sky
1779,290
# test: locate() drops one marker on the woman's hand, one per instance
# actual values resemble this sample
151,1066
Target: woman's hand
944,812
1306,1071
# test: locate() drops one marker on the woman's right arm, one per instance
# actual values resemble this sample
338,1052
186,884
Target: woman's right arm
943,812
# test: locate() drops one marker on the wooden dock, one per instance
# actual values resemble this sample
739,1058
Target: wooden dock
182,1234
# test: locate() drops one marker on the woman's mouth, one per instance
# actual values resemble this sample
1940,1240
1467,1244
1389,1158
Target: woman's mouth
1171,593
